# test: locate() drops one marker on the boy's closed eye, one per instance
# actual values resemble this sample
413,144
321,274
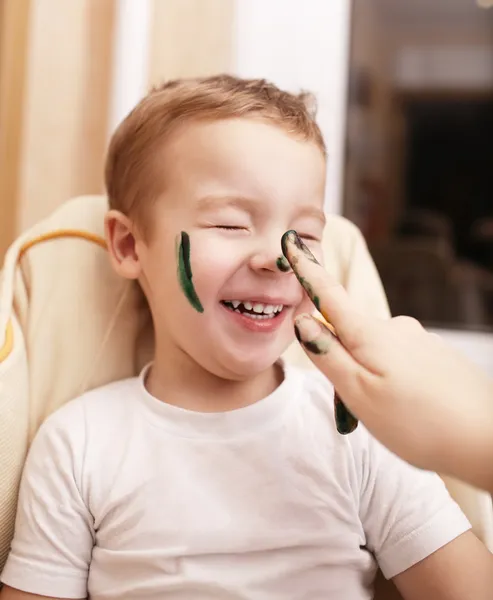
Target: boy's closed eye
230,227
304,236
310,237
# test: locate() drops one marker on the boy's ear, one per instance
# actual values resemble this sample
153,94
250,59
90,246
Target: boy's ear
120,237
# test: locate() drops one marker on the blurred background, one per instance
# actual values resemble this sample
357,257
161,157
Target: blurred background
405,93
418,177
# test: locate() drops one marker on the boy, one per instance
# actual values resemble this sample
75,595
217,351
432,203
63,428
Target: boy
218,473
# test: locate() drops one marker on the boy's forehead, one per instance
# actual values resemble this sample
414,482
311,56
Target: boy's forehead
248,158
240,138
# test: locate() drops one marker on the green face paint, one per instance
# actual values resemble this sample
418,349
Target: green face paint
185,271
346,422
283,265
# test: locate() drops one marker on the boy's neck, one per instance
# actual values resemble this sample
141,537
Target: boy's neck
178,380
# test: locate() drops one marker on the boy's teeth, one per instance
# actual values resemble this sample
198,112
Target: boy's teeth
257,308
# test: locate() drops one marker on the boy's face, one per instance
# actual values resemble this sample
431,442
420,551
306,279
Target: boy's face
233,188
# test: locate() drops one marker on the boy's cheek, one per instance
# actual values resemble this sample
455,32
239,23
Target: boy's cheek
305,306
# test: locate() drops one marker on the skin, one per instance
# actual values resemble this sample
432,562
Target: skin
201,362
235,187
399,379
293,247
418,396
8,593
259,181
292,239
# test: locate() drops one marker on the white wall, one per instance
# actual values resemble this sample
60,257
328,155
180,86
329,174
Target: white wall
445,66
476,345
296,44
131,57
301,44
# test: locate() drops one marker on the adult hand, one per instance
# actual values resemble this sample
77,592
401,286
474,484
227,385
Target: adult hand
418,396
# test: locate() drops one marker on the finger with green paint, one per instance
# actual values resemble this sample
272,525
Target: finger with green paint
307,269
313,278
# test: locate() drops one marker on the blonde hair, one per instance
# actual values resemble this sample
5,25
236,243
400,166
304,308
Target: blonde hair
131,175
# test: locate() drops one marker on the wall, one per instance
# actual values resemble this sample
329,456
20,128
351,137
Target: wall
369,188
67,95
443,56
70,56
477,346
191,38
14,21
65,104
302,48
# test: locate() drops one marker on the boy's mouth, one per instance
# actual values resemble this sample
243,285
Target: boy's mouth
254,310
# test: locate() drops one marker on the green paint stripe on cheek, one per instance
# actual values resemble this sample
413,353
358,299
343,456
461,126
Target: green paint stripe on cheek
185,272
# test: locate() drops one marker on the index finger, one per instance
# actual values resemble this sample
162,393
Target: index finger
327,294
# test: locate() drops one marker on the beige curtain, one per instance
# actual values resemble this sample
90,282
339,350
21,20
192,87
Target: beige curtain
60,59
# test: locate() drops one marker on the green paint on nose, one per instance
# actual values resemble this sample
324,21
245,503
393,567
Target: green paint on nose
185,272
283,265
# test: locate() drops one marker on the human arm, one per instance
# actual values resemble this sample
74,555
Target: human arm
460,570
419,397
54,533
419,536
8,593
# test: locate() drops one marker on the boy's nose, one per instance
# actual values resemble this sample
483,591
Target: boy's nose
264,262
267,258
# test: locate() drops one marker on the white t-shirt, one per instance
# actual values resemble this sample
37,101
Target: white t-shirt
124,496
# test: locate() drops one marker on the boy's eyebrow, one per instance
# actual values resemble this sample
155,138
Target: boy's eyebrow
249,204
316,213
210,202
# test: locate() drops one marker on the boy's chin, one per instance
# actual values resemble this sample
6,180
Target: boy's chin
247,370
241,367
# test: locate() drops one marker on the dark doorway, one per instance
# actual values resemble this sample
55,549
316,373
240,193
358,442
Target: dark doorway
449,168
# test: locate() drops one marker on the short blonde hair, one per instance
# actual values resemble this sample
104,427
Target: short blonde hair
131,176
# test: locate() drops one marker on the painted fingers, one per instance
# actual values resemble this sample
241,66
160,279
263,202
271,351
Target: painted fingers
315,336
327,294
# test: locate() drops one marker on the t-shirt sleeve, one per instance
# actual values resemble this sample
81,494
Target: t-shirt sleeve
54,532
407,513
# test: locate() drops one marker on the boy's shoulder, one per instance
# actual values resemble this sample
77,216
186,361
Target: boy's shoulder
102,407
317,402
315,390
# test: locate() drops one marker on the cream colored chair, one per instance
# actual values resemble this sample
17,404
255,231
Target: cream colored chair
69,324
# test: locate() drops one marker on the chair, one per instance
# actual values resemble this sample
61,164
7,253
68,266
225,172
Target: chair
50,351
